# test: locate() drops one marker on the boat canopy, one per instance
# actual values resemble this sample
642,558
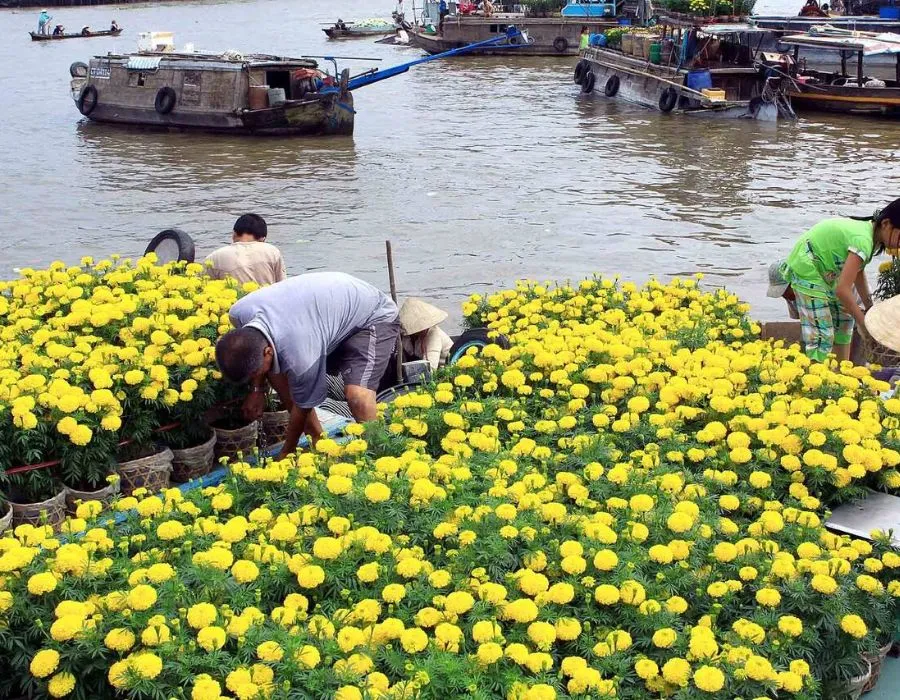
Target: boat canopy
869,46
725,29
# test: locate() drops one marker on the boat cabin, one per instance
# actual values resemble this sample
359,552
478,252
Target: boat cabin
591,8
849,89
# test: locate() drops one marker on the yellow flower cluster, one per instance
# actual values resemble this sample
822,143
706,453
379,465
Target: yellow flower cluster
82,343
606,508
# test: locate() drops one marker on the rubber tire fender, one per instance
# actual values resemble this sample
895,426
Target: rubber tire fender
165,100
560,44
580,69
588,82
87,99
79,70
668,99
612,86
474,338
185,243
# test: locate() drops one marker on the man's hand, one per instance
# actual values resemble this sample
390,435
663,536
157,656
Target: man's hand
254,405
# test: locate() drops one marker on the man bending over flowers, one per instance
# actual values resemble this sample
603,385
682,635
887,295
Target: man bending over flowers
292,332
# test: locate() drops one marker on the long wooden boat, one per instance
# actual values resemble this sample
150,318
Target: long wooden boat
547,36
90,35
845,91
352,31
735,87
217,93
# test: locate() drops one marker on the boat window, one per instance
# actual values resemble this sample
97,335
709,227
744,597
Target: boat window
497,28
137,79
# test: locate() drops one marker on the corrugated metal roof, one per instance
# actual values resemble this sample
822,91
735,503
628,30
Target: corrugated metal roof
143,62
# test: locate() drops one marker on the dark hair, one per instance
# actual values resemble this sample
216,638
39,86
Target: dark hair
239,354
890,213
253,224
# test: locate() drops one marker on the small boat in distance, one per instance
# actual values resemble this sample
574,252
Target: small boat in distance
76,35
845,91
362,28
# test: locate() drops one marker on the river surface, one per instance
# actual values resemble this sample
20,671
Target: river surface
480,171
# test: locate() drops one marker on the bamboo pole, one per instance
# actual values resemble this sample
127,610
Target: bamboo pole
393,284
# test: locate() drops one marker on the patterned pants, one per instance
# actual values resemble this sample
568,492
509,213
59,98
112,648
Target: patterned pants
824,324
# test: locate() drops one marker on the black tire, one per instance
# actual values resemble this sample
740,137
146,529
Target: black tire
474,338
580,69
393,392
170,240
612,86
87,99
587,83
560,44
165,100
668,99
79,70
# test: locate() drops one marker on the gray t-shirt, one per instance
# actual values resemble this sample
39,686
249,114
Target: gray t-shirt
305,318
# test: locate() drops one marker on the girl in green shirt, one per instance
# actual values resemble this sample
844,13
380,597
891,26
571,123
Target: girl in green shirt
826,271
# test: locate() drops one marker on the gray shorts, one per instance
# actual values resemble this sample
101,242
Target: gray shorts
363,358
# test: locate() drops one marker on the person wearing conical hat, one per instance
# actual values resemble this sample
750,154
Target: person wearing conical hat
883,323
423,338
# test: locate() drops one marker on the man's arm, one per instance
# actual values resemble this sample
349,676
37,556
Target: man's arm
282,387
280,269
302,420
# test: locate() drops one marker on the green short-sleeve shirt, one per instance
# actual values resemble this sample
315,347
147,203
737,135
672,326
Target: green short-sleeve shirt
817,259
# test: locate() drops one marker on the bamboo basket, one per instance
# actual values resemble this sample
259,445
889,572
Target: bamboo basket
877,354
6,519
231,442
638,46
151,473
273,428
104,495
855,686
53,509
193,462
876,661
628,44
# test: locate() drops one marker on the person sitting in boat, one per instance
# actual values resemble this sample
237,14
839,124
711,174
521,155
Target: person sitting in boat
292,333
249,258
340,25
812,9
780,287
59,30
488,8
85,31
44,22
826,272
114,26
423,338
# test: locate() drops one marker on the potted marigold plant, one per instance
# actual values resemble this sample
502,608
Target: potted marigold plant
234,434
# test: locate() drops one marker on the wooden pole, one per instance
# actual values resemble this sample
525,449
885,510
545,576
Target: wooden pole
393,284
859,69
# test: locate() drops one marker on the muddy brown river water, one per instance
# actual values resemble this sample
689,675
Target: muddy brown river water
481,171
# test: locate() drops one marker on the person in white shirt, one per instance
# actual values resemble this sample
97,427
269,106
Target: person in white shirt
249,258
423,338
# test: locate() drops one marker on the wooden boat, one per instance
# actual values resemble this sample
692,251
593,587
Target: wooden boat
845,91
723,81
214,92
56,37
362,29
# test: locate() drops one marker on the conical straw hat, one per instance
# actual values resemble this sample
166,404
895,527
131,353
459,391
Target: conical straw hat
417,315
883,323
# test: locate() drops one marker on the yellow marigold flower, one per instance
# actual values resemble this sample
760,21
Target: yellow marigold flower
61,685
44,663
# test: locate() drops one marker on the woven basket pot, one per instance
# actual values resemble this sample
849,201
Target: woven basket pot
273,427
104,495
855,686
230,442
876,661
193,462
151,473
6,519
877,354
53,509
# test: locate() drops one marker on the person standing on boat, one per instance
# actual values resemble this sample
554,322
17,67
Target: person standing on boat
249,258
443,11
423,338
289,334
826,271
44,22
584,40
114,26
